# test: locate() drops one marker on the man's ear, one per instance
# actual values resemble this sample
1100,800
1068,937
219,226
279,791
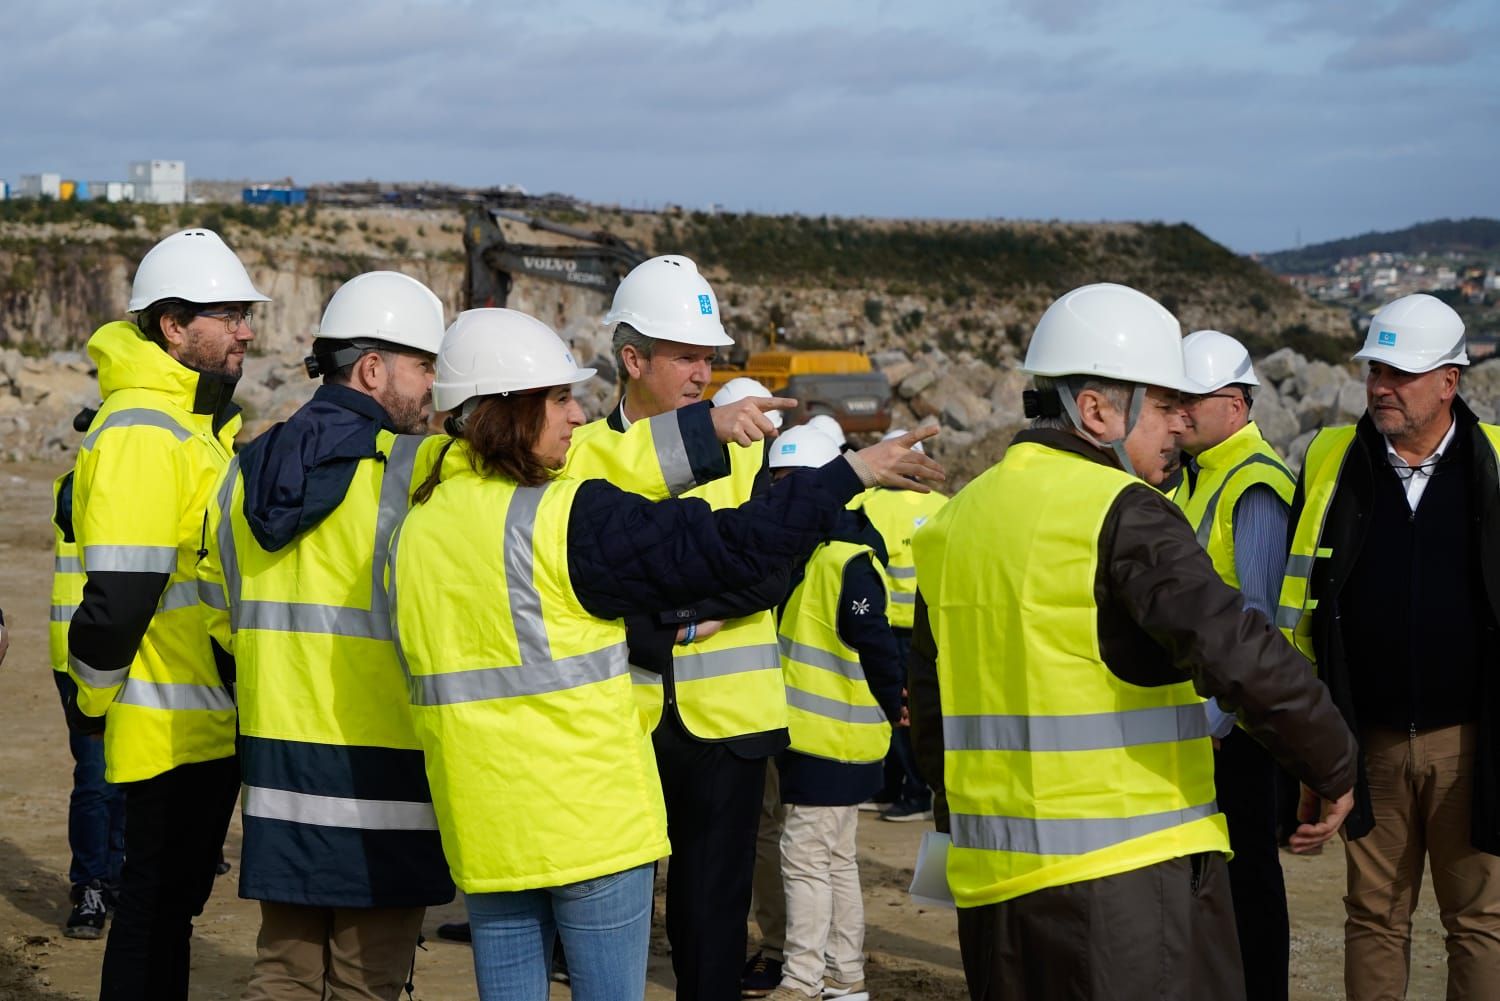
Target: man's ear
633,361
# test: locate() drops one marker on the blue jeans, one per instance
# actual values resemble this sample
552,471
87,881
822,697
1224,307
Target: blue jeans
96,812
605,924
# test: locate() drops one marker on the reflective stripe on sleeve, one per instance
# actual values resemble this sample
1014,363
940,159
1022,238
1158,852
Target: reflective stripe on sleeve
671,452
174,695
94,677
63,613
212,594
67,564
533,678
183,594
137,417
902,573
130,559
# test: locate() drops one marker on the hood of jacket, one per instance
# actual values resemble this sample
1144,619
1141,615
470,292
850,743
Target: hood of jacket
298,472
127,359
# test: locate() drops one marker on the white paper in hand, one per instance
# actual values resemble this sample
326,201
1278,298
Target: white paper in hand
929,883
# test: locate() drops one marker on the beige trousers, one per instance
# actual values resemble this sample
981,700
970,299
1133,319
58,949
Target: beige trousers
333,953
825,914
768,897
1421,791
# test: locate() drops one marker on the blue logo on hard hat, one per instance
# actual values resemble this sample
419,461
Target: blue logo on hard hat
1387,338
706,305
788,448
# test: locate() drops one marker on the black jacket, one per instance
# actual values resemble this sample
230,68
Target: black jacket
1164,614
1344,533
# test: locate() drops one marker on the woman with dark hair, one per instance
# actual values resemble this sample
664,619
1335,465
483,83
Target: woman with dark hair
507,587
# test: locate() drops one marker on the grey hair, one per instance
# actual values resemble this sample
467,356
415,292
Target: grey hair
625,335
1117,393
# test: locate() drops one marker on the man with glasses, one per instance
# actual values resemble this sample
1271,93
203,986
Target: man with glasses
138,650
1393,589
1236,493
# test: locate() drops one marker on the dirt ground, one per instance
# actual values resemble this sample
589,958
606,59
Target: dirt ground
913,950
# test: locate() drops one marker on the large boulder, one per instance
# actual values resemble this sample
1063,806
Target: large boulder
1350,405
1279,365
1278,424
1318,376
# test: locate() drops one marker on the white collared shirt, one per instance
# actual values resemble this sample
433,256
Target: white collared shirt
1414,478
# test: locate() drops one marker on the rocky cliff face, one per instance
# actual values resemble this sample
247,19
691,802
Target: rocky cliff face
944,309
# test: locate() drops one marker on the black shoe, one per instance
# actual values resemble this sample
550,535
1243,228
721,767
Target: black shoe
455,931
762,974
559,964
222,867
89,909
908,810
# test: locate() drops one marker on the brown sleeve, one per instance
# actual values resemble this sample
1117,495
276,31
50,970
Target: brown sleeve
926,711
1165,582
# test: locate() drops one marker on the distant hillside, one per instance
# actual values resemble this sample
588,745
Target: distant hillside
1465,236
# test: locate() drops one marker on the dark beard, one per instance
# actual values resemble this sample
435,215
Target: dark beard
406,415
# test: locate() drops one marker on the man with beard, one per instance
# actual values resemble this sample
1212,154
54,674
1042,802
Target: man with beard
1393,589
137,647
341,845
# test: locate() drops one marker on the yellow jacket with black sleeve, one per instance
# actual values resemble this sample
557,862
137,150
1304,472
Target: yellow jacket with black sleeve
137,646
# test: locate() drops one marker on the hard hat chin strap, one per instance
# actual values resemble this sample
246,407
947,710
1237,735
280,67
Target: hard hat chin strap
1117,446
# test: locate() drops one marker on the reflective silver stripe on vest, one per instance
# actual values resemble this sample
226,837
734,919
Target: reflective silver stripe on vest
173,695
395,498
903,598
212,595
671,453
688,665
902,573
95,678
391,600
1287,616
229,560
67,564
1206,524
531,678
804,654
63,613
1299,566
641,676
306,617
1084,732
130,559
520,580
338,811
1065,837
183,594
821,705
137,417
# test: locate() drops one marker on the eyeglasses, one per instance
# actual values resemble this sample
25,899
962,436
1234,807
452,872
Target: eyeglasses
1189,401
232,317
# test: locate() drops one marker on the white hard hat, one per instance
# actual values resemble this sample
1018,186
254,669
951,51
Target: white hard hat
1109,332
1416,334
1214,360
194,265
385,306
496,351
803,446
666,298
898,432
741,388
830,426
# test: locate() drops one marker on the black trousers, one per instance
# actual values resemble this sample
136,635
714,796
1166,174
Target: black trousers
1245,776
713,812
175,824
1162,933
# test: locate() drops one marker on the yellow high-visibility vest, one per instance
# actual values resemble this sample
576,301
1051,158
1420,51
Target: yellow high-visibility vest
831,712
729,684
541,773
145,473
1239,462
1056,770
335,797
896,515
1321,470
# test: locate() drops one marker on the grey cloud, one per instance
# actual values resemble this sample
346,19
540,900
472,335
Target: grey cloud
1058,16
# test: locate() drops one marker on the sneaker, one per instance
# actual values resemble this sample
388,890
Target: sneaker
878,803
87,917
854,991
785,993
907,810
455,931
559,963
762,974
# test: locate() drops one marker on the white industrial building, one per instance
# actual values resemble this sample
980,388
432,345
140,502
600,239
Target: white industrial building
159,181
39,185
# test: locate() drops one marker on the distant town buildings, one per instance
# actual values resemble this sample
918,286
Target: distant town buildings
160,182
1386,276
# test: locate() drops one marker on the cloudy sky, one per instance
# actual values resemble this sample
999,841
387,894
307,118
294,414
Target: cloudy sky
1255,120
